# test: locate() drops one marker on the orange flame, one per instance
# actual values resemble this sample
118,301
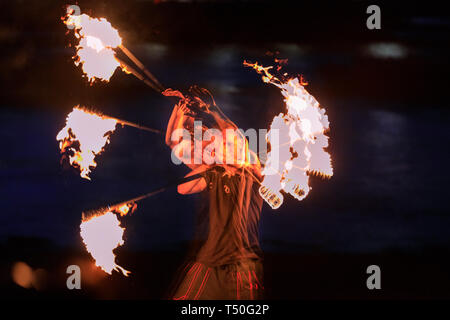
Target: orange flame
299,150
102,234
84,137
125,208
97,39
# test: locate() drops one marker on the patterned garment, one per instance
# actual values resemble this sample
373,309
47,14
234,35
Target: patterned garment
240,280
231,218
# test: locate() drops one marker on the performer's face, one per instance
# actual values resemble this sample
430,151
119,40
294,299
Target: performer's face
189,123
235,148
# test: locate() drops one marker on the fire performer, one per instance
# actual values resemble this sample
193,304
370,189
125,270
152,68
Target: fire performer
226,261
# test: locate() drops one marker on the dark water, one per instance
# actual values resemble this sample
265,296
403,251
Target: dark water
389,190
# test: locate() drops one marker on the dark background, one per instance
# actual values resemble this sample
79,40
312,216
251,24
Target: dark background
385,92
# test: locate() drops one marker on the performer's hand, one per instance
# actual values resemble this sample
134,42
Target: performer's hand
204,107
184,110
176,121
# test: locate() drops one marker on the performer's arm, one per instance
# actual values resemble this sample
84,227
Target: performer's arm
196,185
180,120
176,121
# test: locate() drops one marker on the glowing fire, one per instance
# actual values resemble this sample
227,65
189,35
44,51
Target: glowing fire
298,151
97,39
102,234
84,137
124,209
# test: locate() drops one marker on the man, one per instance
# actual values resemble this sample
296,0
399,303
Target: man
227,263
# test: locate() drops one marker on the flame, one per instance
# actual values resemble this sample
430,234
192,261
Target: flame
97,39
84,137
94,43
102,234
125,208
299,150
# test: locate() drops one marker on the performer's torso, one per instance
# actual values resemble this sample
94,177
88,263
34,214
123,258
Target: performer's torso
233,212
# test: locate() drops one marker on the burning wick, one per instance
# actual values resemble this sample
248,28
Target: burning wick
84,137
97,42
102,234
97,39
300,150
123,210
